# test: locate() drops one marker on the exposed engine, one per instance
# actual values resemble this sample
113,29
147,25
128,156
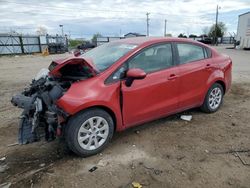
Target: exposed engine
41,117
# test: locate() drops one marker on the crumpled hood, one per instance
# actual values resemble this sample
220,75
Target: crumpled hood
56,65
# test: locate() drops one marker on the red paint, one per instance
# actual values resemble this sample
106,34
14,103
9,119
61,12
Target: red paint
74,60
157,95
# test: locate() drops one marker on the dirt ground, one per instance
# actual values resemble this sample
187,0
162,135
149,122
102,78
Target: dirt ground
168,152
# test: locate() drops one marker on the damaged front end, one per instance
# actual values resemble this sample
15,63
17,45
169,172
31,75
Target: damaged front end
41,117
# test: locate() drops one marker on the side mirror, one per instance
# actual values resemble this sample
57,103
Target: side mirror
134,74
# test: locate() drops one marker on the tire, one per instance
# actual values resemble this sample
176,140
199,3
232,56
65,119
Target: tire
213,99
86,129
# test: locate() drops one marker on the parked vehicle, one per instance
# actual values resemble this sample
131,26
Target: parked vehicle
86,46
206,40
119,85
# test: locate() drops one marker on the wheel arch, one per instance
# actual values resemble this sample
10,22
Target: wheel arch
106,109
222,83
219,81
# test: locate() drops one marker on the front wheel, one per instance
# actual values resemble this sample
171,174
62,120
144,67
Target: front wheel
89,132
213,99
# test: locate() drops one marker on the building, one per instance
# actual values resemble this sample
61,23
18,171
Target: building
243,31
102,40
128,35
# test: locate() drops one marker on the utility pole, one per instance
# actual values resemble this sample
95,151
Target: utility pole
147,23
165,29
62,29
69,34
216,25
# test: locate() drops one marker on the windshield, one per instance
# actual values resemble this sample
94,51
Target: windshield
107,54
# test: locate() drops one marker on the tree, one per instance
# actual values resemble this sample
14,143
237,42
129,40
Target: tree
95,36
41,30
73,43
182,35
220,30
192,36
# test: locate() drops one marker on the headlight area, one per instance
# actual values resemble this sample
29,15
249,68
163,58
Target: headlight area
41,117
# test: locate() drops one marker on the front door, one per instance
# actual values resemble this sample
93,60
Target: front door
157,94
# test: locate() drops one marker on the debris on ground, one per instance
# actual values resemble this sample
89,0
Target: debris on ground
233,124
5,185
93,169
2,159
156,171
232,151
137,132
186,117
236,153
180,157
3,168
206,151
136,185
14,144
241,159
102,163
132,166
42,165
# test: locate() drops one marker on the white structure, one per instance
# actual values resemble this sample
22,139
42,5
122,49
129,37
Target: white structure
243,31
129,35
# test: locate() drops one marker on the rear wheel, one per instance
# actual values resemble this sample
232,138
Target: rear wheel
89,132
213,99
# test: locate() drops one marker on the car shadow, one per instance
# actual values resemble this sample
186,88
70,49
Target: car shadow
158,122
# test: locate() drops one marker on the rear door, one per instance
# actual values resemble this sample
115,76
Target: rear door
194,70
157,94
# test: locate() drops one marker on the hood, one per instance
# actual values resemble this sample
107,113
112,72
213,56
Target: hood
58,67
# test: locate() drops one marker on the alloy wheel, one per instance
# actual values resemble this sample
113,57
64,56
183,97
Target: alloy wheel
215,98
93,133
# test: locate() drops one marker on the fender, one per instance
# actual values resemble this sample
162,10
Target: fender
216,76
115,112
72,104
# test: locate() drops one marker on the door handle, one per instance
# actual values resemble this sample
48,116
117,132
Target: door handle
172,77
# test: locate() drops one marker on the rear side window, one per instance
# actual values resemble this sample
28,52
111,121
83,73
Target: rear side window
190,52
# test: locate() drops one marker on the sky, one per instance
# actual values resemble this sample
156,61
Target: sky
83,18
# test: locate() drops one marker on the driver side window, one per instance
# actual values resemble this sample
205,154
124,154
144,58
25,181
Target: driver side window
153,59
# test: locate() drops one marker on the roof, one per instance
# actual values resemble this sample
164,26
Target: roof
136,34
245,13
142,40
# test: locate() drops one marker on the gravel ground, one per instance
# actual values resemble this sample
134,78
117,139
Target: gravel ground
165,153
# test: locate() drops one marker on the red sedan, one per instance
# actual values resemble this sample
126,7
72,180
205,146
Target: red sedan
132,81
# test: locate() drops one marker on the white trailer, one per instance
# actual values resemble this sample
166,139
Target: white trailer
243,31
